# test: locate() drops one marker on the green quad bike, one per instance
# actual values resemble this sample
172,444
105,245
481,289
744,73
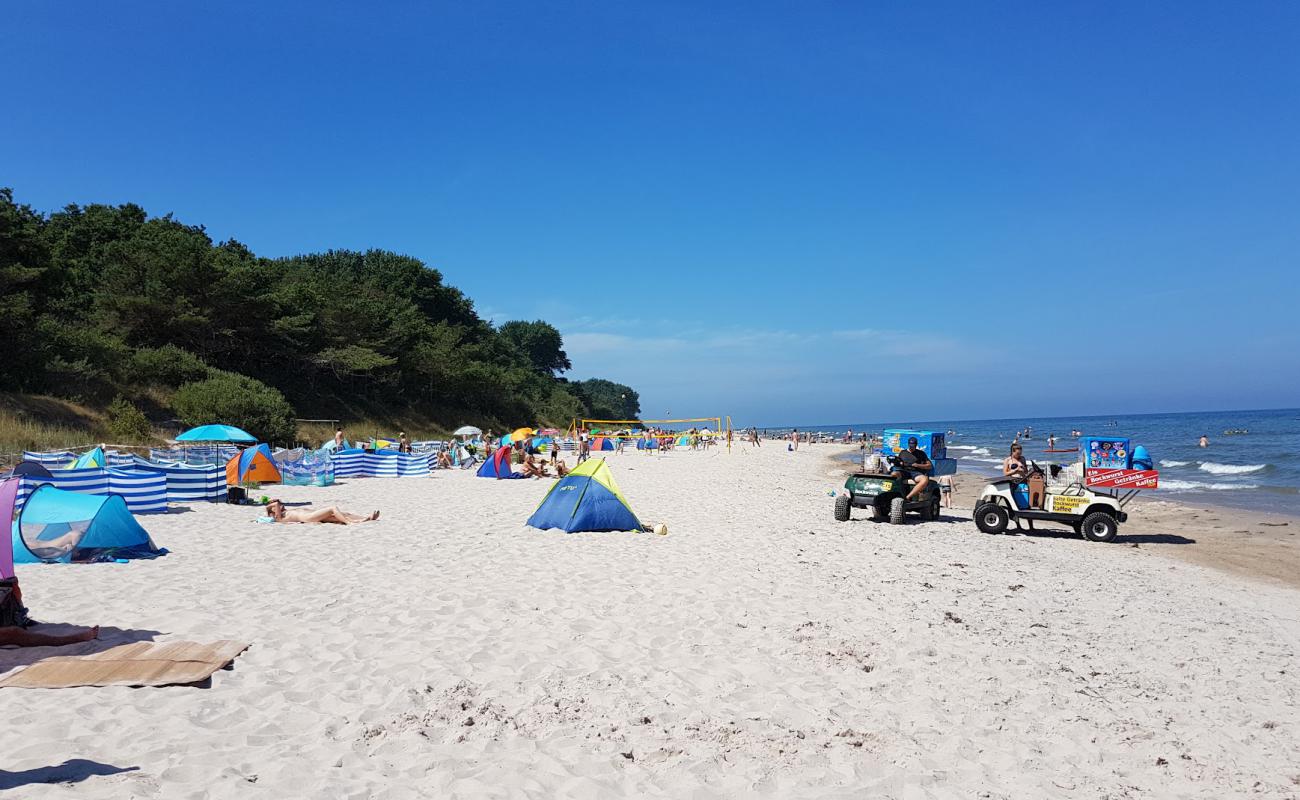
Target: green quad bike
885,496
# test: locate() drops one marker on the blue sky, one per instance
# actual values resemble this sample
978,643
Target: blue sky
790,212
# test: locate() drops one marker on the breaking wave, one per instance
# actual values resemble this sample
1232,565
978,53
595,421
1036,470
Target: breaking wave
1231,469
1175,485
1167,463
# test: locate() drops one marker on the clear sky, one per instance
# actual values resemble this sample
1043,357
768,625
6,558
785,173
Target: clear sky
801,212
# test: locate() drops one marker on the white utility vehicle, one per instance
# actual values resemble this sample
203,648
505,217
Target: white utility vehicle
1095,514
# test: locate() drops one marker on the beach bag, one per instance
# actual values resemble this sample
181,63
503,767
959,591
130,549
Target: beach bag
13,614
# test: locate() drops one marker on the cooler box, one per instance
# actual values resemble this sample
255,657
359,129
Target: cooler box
1105,452
944,466
929,442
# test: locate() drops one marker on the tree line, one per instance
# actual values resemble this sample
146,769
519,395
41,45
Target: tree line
103,302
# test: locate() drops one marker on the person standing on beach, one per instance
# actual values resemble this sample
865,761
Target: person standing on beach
584,446
338,439
794,439
1051,441
403,443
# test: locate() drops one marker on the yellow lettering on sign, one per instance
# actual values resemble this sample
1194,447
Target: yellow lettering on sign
1067,505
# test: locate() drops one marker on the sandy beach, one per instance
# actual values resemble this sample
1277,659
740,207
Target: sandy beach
759,649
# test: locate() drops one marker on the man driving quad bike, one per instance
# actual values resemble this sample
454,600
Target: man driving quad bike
914,465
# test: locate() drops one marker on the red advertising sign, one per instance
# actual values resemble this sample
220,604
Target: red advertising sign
1122,478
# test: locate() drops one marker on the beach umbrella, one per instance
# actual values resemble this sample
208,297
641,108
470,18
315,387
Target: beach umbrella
519,434
216,433
467,430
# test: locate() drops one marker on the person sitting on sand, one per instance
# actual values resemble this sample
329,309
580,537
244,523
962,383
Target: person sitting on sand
914,464
444,457
307,516
14,632
532,467
1014,466
21,637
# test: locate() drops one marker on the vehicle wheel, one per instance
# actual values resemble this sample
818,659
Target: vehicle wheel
896,511
1100,527
843,508
991,518
933,510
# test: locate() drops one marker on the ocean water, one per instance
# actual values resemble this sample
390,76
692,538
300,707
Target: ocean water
1259,469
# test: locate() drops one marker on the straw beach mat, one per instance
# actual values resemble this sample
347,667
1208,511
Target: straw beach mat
136,664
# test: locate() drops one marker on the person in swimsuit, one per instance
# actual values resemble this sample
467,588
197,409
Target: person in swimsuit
1014,466
307,516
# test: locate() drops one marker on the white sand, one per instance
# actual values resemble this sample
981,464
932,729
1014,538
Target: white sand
759,649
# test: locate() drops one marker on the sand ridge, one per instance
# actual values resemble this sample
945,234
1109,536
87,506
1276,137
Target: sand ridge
760,649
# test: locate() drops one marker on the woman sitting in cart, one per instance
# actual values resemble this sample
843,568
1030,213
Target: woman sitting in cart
1014,466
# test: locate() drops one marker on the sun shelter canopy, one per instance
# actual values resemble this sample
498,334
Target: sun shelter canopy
56,526
216,433
499,465
90,458
8,495
467,430
587,499
253,464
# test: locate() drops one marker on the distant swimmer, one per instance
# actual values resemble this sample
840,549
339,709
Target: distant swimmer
1205,441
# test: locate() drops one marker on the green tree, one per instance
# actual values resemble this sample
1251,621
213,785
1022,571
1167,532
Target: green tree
127,423
23,260
608,400
230,399
540,343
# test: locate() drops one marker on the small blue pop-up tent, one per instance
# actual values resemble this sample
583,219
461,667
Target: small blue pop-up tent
587,499
499,465
90,458
59,526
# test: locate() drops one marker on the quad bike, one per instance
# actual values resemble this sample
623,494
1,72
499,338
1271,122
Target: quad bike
885,494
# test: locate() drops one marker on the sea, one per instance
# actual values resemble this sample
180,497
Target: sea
1252,461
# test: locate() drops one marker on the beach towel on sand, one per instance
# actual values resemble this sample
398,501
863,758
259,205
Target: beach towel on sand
135,664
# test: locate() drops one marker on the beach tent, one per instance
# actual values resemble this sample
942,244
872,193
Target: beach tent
684,441
602,443
587,499
90,458
58,526
8,495
499,466
217,433
254,464
30,469
330,447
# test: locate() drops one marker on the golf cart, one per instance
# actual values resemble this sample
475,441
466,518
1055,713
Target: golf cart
1089,497
885,495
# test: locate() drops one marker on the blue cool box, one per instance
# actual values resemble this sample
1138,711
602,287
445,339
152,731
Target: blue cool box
929,442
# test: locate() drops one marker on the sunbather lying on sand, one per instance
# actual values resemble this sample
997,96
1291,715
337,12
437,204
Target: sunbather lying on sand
308,516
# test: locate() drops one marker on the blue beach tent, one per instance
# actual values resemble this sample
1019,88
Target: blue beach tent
499,465
587,499
90,458
56,526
